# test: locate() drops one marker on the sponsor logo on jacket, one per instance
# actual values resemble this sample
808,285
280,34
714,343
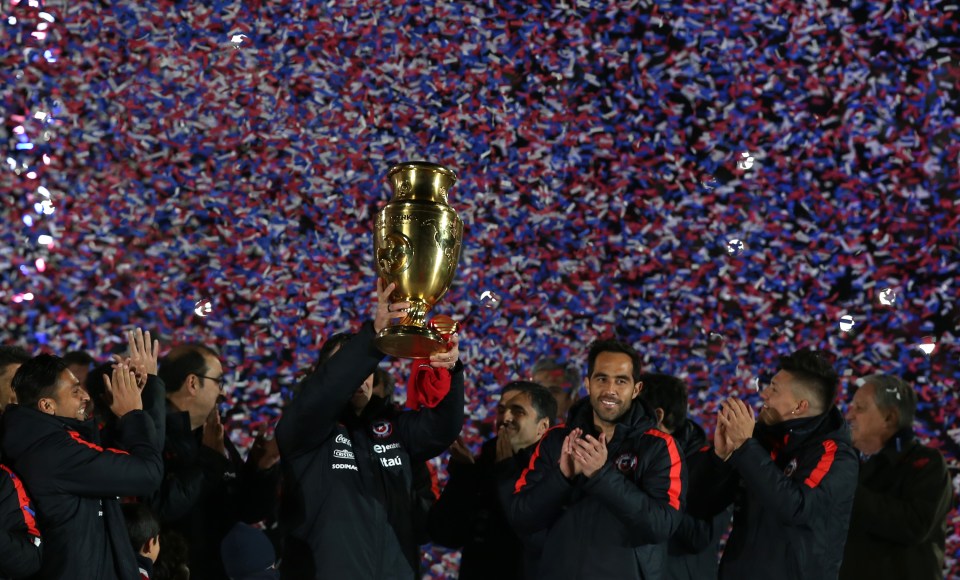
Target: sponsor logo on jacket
341,439
384,448
344,466
343,453
626,463
382,429
392,462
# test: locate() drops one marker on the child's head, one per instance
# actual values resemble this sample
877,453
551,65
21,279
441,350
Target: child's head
143,529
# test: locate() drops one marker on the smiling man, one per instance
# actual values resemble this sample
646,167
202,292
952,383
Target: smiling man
608,488
73,481
469,513
791,476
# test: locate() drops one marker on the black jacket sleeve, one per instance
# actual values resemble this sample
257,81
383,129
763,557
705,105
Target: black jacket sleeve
313,413
716,484
136,469
154,397
20,548
541,491
820,477
428,432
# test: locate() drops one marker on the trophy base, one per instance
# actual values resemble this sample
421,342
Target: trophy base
409,341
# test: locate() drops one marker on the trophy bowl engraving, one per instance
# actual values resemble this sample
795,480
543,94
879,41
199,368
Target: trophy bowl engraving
417,242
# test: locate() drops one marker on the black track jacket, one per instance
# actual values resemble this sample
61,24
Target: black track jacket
19,538
792,485
74,484
615,524
348,496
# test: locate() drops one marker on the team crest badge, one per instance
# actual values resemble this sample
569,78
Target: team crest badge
791,467
626,462
382,429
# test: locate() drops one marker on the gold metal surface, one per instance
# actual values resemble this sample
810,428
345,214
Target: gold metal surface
417,238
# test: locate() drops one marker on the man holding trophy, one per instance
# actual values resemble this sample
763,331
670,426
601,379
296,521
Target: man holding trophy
348,498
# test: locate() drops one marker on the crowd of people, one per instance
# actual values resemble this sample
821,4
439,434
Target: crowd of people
123,471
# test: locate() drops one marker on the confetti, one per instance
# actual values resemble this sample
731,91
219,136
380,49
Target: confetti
660,172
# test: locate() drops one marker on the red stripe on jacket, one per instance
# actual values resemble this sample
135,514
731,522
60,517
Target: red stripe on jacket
823,466
675,467
76,437
522,480
24,503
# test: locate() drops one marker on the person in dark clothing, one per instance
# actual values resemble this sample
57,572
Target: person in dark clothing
348,485
609,486
73,481
899,524
207,486
20,543
562,379
143,530
469,514
11,357
791,476
693,551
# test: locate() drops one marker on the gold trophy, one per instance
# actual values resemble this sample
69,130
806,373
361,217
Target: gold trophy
417,238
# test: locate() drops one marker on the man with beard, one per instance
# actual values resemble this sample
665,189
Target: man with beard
469,514
349,502
608,487
791,476
693,549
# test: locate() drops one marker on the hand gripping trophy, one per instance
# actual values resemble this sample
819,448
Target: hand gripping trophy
417,238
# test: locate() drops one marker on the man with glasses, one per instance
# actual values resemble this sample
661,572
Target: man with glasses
207,486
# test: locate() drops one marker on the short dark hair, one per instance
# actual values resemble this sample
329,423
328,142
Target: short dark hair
813,369
890,392
569,371
330,346
37,379
78,357
613,345
544,403
666,392
382,377
182,361
12,355
142,524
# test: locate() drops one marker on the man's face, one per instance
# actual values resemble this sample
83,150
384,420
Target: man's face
69,399
210,387
556,383
611,386
779,401
869,426
7,394
515,413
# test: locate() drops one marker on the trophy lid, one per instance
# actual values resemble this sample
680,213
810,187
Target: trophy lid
421,180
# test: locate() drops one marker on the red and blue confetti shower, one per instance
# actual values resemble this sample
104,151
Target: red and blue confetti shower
716,183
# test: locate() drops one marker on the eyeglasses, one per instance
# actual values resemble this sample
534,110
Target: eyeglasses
218,380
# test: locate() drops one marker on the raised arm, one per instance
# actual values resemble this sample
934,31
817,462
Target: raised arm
136,469
313,413
428,431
